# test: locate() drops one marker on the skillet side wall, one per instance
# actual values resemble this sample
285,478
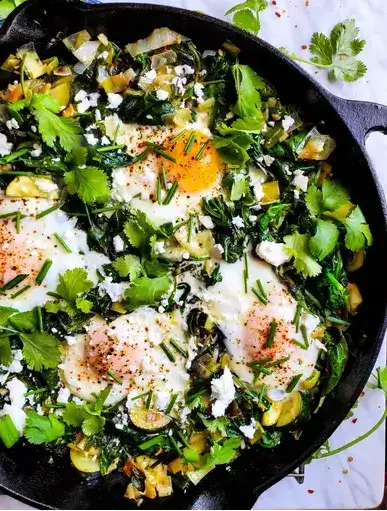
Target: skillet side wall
25,470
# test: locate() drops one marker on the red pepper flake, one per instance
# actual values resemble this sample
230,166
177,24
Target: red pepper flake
304,46
274,2
350,459
278,14
354,421
310,491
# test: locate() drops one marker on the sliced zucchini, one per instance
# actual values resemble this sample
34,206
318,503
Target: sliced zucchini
195,476
33,66
149,420
270,417
34,186
61,93
84,461
51,64
356,261
311,382
271,192
354,297
291,409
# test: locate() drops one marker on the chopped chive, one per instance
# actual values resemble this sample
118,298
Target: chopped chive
278,362
257,367
149,400
56,405
33,392
259,296
17,173
183,439
140,156
158,149
54,295
47,211
304,334
8,432
300,344
175,446
105,210
337,321
62,242
261,289
163,176
21,291
151,442
179,349
108,148
297,316
9,215
167,351
17,222
191,226
140,396
114,377
14,282
179,135
261,393
192,397
39,316
158,188
171,404
273,329
293,383
88,214
313,299
190,142
43,271
246,272
171,193
15,155
200,154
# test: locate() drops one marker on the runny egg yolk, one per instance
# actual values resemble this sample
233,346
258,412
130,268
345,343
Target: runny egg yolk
197,165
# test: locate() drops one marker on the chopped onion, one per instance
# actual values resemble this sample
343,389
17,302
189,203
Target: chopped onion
159,38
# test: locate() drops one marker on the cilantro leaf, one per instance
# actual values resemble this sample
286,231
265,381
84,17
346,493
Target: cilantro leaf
155,268
314,200
337,53
222,454
89,183
83,305
297,245
324,241
23,321
358,232
139,230
6,313
5,351
246,15
41,429
247,84
93,424
74,414
146,291
88,415
240,187
128,266
40,350
220,424
334,195
72,283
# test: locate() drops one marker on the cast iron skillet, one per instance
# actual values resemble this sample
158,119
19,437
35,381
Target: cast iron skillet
27,472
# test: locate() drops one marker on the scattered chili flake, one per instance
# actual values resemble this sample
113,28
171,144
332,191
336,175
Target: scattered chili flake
350,459
278,14
304,46
354,420
274,2
310,491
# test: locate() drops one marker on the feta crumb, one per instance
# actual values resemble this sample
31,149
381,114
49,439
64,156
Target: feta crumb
54,330
271,123
77,400
186,255
206,221
217,251
118,243
34,129
159,247
238,222
192,351
179,83
98,115
203,72
46,185
104,55
93,98
15,366
37,150
149,116
199,92
222,392
16,389
162,95
252,218
184,70
5,146
272,252
91,139
63,395
268,159
116,290
80,95
114,100
184,414
287,122
105,140
83,106
296,194
71,340
300,180
12,124
249,430
161,309
162,400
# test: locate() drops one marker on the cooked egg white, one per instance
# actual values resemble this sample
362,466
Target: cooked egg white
245,322
25,252
129,347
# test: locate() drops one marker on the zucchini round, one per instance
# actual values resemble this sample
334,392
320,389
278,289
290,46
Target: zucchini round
83,461
291,409
270,417
149,420
310,382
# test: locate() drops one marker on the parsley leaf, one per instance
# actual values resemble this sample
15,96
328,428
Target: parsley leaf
358,232
246,15
297,245
5,351
146,291
41,429
222,454
40,350
334,195
337,53
6,313
83,305
128,266
89,183
324,241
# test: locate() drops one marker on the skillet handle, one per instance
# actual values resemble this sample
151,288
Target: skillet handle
362,117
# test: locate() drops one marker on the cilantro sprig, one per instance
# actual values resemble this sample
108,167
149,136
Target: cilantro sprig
73,284
88,416
337,53
246,15
41,429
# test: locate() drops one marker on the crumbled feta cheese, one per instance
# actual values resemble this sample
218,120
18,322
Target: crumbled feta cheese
162,400
98,115
198,90
114,100
105,140
238,222
116,290
80,95
77,400
161,309
192,351
179,83
5,146
272,252
217,251
15,366
203,72
93,98
16,389
186,255
206,221
83,106
162,95
184,414
252,218
46,185
159,247
118,243
229,115
258,191
149,116
300,180
91,139
271,123
104,55
63,395
34,129
296,194
287,122
54,330
12,124
268,159
222,392
249,430
71,340
146,79
37,150
184,70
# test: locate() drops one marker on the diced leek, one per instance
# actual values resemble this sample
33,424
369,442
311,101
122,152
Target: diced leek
200,244
12,64
195,476
271,192
74,41
207,105
87,52
160,60
159,38
51,64
103,39
62,93
8,432
317,146
33,66
116,83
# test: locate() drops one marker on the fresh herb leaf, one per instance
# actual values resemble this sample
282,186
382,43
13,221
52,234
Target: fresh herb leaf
222,454
297,245
220,424
93,424
40,350
324,240
128,266
146,291
5,352
83,305
89,183
334,195
239,188
41,429
74,414
358,232
314,200
247,85
73,283
246,15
